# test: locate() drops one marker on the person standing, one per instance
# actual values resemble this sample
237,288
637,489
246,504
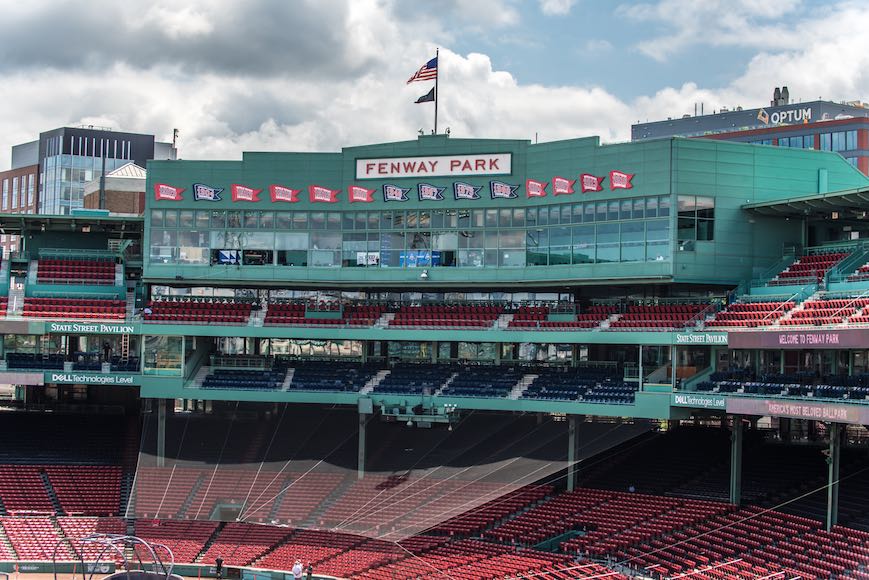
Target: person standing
297,570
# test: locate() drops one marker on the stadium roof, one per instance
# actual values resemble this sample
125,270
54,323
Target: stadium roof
19,223
849,203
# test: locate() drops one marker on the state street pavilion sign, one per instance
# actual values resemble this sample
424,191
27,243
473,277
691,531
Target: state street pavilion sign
435,166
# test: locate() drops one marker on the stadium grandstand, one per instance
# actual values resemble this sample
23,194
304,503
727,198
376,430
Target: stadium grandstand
448,358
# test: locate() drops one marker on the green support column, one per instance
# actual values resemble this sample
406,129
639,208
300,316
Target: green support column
833,475
640,370
161,431
673,363
736,461
572,449
781,362
360,458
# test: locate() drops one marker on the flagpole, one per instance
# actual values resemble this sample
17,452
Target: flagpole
437,76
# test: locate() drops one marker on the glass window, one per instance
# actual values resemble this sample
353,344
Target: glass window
543,216
613,210
491,218
477,218
633,232
826,141
171,218
374,220
437,218
361,220
583,244
464,219
283,220
589,213
850,140
333,221
233,219
424,219
601,211
639,208
202,220
291,241
251,220
627,209
267,220
300,220
218,219
577,213
663,206
163,355
185,219
608,234
838,141
511,238
808,141
318,220
519,218
450,218
348,220
658,230
156,218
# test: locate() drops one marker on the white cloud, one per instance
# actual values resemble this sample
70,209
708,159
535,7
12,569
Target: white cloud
683,23
223,111
556,7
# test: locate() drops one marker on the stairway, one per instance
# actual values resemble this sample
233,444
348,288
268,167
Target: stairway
211,539
199,378
126,493
194,489
130,299
4,539
446,384
119,274
383,321
503,321
288,380
521,386
52,494
374,381
15,304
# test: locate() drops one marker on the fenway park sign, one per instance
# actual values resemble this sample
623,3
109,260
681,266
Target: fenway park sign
435,166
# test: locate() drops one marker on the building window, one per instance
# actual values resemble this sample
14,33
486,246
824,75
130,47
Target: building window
826,141
696,219
850,140
808,141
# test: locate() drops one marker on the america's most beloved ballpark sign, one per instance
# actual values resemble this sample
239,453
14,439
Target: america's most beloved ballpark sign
435,166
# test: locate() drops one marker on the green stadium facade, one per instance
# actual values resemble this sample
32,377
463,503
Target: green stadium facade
655,279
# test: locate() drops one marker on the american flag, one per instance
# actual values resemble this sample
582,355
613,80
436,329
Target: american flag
427,72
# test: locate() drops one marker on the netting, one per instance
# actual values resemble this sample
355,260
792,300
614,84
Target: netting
297,466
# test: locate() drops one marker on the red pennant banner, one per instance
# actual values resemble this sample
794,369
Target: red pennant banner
281,193
244,193
163,192
359,194
589,182
562,186
621,180
535,188
320,194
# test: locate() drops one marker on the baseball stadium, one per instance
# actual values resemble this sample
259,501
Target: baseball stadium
446,358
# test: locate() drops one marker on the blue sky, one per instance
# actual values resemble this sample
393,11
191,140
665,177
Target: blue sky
316,75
